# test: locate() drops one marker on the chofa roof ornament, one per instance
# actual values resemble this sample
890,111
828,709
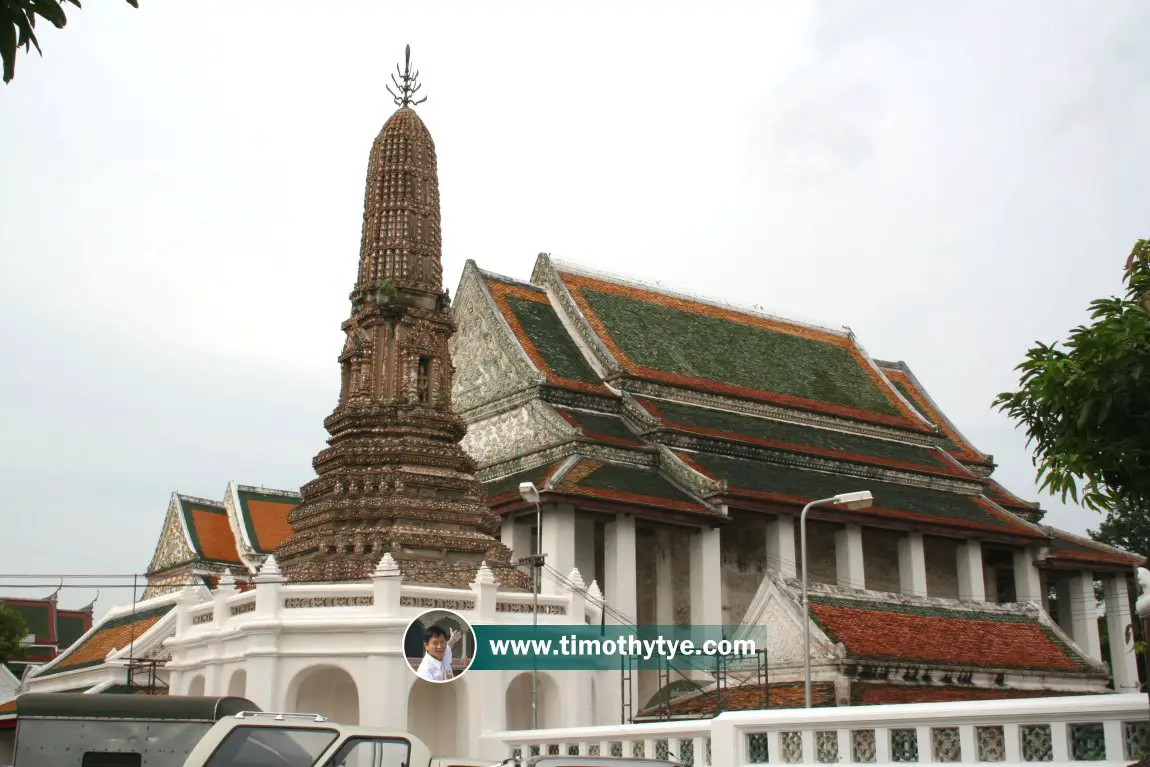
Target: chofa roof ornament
406,84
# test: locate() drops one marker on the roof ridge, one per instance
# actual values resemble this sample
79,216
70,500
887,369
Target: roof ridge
487,273
184,497
267,491
1088,542
905,370
633,281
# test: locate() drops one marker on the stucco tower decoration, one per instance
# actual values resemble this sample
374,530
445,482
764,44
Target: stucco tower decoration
394,478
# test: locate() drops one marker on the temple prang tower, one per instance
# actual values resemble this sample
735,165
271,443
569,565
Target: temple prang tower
394,478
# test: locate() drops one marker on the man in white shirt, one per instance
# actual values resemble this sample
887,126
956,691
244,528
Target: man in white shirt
436,663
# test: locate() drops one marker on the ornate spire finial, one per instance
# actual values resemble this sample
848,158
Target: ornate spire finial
406,84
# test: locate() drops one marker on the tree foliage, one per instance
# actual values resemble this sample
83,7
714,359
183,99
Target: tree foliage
1086,407
13,629
18,26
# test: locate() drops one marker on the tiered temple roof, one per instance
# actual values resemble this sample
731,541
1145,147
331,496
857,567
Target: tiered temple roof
730,407
202,538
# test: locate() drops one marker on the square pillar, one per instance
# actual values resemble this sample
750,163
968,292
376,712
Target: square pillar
1027,579
971,587
781,546
558,543
1084,615
585,548
706,578
664,579
849,557
912,565
1123,663
621,591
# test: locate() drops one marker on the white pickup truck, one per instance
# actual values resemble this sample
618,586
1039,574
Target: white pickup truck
70,730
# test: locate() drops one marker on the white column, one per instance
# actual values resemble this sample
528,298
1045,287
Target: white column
1027,579
849,557
1123,664
971,587
585,548
706,578
664,579
516,536
1084,615
621,591
781,545
558,543
912,565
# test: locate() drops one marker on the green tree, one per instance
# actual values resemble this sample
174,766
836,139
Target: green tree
13,629
1126,528
1086,408
18,26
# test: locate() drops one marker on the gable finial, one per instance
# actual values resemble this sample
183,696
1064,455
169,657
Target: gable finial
406,84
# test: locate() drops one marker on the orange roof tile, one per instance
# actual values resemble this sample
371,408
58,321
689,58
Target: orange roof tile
959,447
112,634
270,520
912,633
213,535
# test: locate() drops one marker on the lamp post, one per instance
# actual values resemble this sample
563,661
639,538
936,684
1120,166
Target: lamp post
853,501
529,493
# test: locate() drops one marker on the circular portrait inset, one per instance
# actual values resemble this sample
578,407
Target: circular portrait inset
439,646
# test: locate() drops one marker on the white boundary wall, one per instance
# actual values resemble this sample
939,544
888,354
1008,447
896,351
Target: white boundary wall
1105,730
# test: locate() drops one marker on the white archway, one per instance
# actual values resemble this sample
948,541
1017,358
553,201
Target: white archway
437,715
518,702
326,690
238,684
196,686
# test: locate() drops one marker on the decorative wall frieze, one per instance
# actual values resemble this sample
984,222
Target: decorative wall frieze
572,317
489,362
515,432
527,607
431,603
296,603
173,548
515,399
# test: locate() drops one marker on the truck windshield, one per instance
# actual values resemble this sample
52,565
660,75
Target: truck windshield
372,752
272,747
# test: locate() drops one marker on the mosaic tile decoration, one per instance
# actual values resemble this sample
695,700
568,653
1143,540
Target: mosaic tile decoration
991,743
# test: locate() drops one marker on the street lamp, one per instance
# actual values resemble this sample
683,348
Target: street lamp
852,501
529,493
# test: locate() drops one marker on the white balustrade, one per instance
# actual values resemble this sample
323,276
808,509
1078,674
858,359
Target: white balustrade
1106,730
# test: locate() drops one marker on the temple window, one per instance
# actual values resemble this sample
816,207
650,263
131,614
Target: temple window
424,381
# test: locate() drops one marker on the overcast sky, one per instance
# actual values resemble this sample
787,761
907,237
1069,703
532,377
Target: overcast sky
182,194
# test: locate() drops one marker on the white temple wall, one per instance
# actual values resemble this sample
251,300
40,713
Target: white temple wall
880,558
941,566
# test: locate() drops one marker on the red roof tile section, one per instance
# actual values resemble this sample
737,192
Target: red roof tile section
576,282
746,697
216,540
270,520
925,635
868,694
